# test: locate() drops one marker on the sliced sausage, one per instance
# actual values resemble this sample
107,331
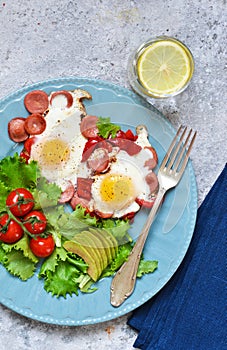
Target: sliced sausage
126,145
76,200
35,124
146,203
98,160
88,127
61,99
84,187
89,148
16,129
152,181
154,153
150,163
103,215
67,194
36,101
92,144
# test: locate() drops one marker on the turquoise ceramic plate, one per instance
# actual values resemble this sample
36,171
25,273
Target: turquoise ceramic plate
170,234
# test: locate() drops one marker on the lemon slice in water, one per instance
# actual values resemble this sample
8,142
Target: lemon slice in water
165,67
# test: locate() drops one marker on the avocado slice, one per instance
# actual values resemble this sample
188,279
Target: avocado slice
97,243
109,242
102,245
85,254
111,239
87,240
97,247
105,243
84,239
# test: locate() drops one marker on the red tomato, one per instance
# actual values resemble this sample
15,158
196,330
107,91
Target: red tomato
20,202
29,143
35,222
120,134
10,230
42,247
89,147
25,156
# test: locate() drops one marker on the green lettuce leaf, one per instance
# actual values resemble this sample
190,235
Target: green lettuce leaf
86,284
2,254
68,224
46,194
121,257
50,263
15,173
18,265
63,280
119,229
4,191
23,246
146,266
106,128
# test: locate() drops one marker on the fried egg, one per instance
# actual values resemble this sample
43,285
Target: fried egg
117,190
58,150
115,193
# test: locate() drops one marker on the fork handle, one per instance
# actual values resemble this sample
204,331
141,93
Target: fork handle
124,281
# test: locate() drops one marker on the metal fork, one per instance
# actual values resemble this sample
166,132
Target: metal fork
169,175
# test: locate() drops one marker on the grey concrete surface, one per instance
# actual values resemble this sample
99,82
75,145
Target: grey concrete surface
49,39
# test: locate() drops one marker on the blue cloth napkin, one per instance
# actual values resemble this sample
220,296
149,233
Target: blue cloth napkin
189,313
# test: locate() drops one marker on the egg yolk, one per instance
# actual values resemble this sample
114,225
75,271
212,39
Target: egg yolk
117,190
54,152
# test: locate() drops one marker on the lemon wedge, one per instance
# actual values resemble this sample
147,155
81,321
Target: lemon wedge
165,67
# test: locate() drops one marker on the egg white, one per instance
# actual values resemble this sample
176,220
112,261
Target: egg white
62,142
128,167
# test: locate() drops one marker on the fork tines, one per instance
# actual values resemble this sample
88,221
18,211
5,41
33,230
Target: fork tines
178,153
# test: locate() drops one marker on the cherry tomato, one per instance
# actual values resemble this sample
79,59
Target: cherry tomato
29,143
90,146
120,134
35,222
42,247
129,135
20,202
10,230
25,156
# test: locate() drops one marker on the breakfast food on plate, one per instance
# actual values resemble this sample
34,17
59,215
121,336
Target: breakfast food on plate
103,172
110,176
